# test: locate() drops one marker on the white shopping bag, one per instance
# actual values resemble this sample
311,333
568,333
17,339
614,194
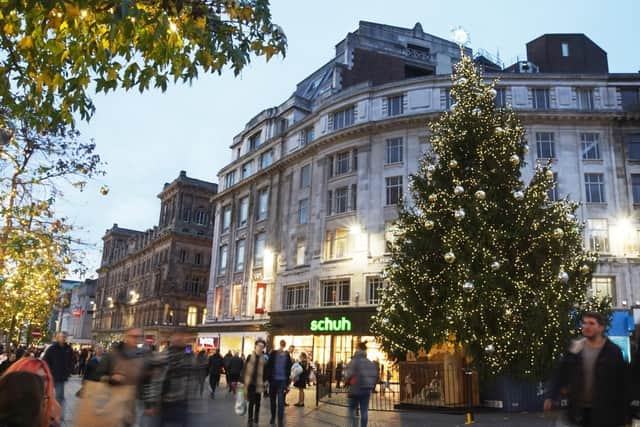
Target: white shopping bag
241,403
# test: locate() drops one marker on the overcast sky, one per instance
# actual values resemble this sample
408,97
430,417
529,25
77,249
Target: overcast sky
147,139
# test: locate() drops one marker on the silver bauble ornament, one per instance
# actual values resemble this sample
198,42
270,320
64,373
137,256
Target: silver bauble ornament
458,190
468,286
563,277
585,269
558,233
449,257
431,168
461,81
453,164
518,195
495,266
429,224
480,195
526,148
453,107
490,349
459,214
548,173
492,92
515,160
571,217
476,111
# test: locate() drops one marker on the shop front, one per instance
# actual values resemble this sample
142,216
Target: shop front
329,336
234,338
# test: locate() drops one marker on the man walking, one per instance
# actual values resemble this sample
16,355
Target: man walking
59,357
216,366
595,374
227,362
253,378
362,376
278,372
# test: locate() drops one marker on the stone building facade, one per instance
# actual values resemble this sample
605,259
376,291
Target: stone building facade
81,308
157,279
311,194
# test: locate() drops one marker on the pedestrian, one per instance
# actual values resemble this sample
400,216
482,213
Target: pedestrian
82,363
596,377
172,390
278,372
302,379
124,365
235,369
254,377
59,357
361,378
91,371
52,411
11,357
216,367
22,400
339,372
227,363
203,365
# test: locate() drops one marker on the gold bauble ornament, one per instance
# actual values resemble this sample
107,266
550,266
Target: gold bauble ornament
585,269
453,164
429,224
492,93
515,160
104,190
433,197
495,266
67,260
499,130
449,257
558,233
548,173
480,195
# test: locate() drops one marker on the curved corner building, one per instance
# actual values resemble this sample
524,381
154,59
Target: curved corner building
308,199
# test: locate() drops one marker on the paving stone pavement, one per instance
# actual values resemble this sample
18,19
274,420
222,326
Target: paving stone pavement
220,413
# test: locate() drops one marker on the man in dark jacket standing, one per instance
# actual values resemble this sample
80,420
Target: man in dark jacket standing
596,377
227,361
278,373
216,366
59,357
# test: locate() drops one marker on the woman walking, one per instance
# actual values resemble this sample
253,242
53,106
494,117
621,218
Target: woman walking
302,380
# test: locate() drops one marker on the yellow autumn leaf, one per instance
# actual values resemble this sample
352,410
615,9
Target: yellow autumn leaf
8,29
25,43
105,43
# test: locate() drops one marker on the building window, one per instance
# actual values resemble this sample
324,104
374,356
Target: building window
301,253
186,214
598,235
594,187
336,292
565,49
375,285
336,244
254,140
222,259
341,199
329,202
229,179
266,159
501,97
540,99
247,169
226,219
240,255
217,309
553,192
634,146
342,162
630,97
204,315
635,187
192,286
307,135
590,146
243,212
258,252
354,197
393,186
343,118
236,300
447,99
201,217
394,150
192,316
305,176
303,211
263,204
395,106
296,297
545,145
585,99
183,256
198,259
602,287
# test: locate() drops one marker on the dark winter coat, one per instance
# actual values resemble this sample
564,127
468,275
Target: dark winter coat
91,372
235,365
270,368
227,360
610,404
60,361
216,364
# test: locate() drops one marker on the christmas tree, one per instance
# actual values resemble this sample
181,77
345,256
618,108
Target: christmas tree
480,259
